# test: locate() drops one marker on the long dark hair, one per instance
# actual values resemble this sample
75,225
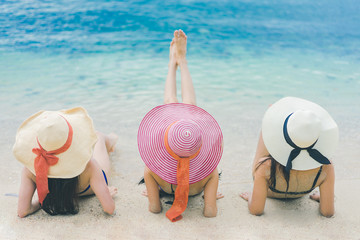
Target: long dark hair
62,197
274,165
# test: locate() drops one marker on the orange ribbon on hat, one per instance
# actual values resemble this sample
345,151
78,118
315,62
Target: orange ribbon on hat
182,177
44,160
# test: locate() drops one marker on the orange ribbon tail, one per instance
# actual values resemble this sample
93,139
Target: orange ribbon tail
181,192
182,177
44,160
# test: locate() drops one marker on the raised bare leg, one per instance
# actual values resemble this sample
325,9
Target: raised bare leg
187,87
170,84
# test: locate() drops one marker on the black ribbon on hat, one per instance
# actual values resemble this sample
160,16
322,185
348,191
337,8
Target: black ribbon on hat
315,154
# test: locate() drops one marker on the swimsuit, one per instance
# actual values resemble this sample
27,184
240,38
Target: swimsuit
89,184
172,190
272,188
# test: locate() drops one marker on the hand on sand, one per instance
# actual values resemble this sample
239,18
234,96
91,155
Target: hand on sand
315,196
113,191
144,193
245,195
219,195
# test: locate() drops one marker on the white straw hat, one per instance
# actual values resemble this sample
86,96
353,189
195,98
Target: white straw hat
299,134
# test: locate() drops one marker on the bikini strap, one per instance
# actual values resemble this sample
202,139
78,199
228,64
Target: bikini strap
84,190
105,177
317,177
172,190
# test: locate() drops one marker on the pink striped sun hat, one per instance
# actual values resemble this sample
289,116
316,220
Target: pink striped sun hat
190,132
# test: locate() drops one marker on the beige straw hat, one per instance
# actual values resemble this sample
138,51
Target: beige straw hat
299,134
51,130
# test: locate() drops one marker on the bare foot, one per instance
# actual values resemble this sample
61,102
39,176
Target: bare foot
113,191
172,55
180,40
315,196
110,142
245,195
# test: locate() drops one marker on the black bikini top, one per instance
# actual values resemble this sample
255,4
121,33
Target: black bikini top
272,188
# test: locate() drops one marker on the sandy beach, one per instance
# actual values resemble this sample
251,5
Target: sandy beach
111,57
292,219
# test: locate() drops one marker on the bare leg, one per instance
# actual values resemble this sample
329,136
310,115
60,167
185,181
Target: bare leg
187,87
170,84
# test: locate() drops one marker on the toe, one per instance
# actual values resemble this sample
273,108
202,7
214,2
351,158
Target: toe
182,34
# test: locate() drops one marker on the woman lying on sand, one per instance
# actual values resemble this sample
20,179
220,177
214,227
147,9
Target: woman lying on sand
291,158
180,143
64,158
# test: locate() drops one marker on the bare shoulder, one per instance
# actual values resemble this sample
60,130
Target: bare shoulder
262,168
91,166
328,170
201,184
27,173
157,179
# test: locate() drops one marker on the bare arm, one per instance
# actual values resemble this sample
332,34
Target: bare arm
256,199
26,205
327,193
261,152
210,195
152,191
99,187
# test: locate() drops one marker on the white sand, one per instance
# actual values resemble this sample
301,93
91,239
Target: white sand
296,219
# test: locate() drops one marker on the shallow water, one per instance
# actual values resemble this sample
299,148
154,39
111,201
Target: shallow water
111,57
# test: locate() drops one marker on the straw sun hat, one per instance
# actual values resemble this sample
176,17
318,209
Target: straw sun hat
299,134
55,144
182,144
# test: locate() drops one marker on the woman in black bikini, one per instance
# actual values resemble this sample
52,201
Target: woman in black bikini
291,159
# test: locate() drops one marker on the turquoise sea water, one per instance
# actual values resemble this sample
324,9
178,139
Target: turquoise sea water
111,56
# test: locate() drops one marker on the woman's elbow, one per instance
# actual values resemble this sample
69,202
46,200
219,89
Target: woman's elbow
256,210
110,209
22,213
327,213
210,212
